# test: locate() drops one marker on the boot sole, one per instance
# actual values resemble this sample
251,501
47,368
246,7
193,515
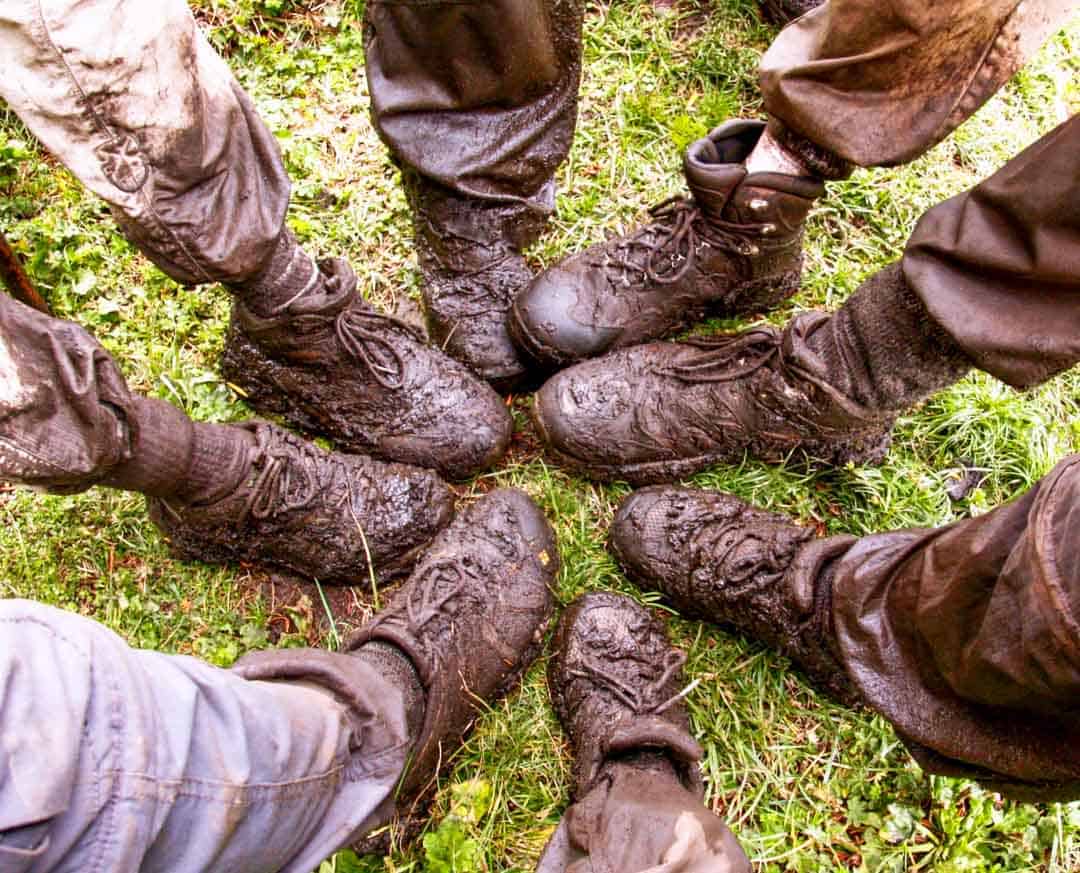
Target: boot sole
403,829
865,448
763,295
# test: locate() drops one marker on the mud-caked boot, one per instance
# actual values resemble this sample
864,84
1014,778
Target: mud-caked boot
472,269
783,12
719,559
281,501
618,689
325,361
471,619
826,388
734,247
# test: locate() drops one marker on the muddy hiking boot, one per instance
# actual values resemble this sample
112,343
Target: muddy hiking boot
328,516
734,247
472,269
719,559
824,389
782,12
618,688
327,363
471,619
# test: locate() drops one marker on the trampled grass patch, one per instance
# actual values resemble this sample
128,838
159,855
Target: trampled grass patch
805,784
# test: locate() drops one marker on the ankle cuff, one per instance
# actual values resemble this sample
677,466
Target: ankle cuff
288,274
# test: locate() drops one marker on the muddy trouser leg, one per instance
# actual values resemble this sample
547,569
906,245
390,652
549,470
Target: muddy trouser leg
67,418
998,267
479,97
880,83
967,638
135,102
634,819
124,760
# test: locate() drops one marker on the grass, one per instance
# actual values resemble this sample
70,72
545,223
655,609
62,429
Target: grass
805,784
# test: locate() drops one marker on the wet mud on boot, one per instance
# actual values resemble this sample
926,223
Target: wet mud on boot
825,390
733,247
719,559
472,268
661,411
329,364
318,514
616,684
618,689
471,618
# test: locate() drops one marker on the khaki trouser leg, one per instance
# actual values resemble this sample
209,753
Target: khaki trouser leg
124,760
642,821
967,638
129,95
879,83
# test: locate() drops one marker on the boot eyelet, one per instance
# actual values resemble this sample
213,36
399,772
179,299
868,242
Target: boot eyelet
768,229
757,204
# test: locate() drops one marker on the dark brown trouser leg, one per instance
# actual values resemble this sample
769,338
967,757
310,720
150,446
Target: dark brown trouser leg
967,638
998,267
880,83
479,97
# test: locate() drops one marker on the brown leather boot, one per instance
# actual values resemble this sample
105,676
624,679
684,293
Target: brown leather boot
618,688
322,515
825,388
471,619
734,247
329,364
472,269
616,684
721,560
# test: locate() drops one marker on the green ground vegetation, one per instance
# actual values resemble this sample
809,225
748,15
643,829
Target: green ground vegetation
805,784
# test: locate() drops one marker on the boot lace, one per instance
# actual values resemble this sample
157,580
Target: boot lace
671,241
364,336
440,583
286,480
734,576
726,358
647,698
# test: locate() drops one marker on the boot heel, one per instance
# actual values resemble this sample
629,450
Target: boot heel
760,295
244,366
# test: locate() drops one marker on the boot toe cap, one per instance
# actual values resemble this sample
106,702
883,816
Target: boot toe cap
639,535
543,323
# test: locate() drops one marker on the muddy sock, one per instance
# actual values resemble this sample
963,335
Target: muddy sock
289,274
395,666
655,763
220,461
161,438
175,457
882,348
817,160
